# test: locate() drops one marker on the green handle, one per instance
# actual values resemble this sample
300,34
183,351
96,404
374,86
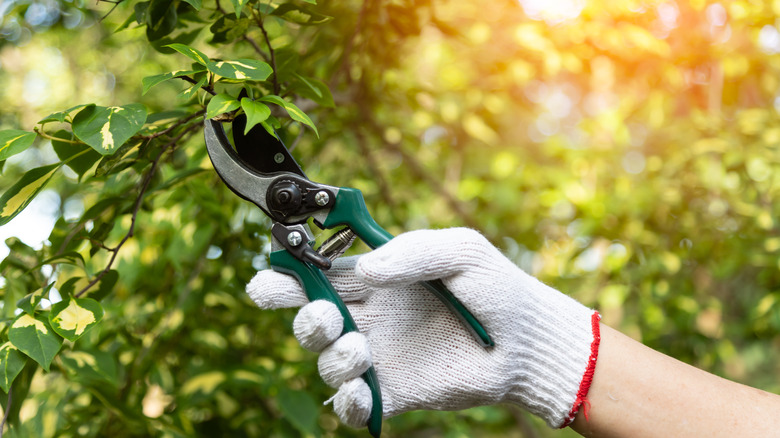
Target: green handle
317,287
350,209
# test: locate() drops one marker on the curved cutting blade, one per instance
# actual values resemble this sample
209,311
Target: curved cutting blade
261,150
241,178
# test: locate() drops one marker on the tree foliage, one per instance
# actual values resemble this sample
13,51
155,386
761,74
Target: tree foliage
625,152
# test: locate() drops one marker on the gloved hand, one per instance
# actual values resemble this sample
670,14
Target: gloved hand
545,342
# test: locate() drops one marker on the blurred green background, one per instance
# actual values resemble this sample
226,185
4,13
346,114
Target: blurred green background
624,152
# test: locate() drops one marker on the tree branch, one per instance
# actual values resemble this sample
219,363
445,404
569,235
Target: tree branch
115,3
209,89
7,411
259,20
257,48
136,208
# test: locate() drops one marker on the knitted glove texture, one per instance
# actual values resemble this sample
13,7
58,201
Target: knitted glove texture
424,358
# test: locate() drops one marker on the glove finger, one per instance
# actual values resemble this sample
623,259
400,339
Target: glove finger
424,255
345,359
342,276
352,403
273,290
317,325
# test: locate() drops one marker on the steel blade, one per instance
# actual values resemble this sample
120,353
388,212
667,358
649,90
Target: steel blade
261,150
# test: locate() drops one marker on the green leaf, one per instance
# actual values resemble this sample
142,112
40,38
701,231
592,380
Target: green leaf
108,128
227,29
193,90
181,37
256,112
105,286
300,409
294,112
151,81
72,317
238,5
14,141
161,19
241,69
79,157
315,90
91,365
221,103
19,196
299,15
140,9
35,338
197,4
109,162
194,54
11,364
30,301
60,116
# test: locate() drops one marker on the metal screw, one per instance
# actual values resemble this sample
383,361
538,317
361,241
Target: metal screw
294,238
322,198
279,157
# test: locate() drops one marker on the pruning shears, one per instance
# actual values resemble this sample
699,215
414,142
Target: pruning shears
261,170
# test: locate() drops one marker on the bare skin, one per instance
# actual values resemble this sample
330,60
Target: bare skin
638,392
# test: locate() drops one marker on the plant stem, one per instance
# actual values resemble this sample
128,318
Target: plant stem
259,20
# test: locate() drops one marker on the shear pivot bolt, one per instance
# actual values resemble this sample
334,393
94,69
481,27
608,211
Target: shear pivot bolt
294,238
322,198
278,158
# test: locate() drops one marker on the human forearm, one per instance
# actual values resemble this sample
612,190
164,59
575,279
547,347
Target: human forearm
638,392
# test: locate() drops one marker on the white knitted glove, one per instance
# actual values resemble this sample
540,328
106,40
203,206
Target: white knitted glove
545,342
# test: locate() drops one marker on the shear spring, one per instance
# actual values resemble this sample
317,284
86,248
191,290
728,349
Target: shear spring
337,244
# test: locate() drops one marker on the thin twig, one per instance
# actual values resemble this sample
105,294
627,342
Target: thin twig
136,208
7,411
297,139
115,2
219,8
43,134
257,48
259,21
80,226
174,126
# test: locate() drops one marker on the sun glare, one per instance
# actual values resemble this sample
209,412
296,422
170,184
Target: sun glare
552,11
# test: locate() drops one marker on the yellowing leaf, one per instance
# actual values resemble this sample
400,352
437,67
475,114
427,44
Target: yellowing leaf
83,359
204,383
221,103
194,54
75,318
14,141
241,69
27,320
33,338
19,196
11,364
105,129
72,317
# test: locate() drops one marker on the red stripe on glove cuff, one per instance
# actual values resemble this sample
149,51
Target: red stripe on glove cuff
587,378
